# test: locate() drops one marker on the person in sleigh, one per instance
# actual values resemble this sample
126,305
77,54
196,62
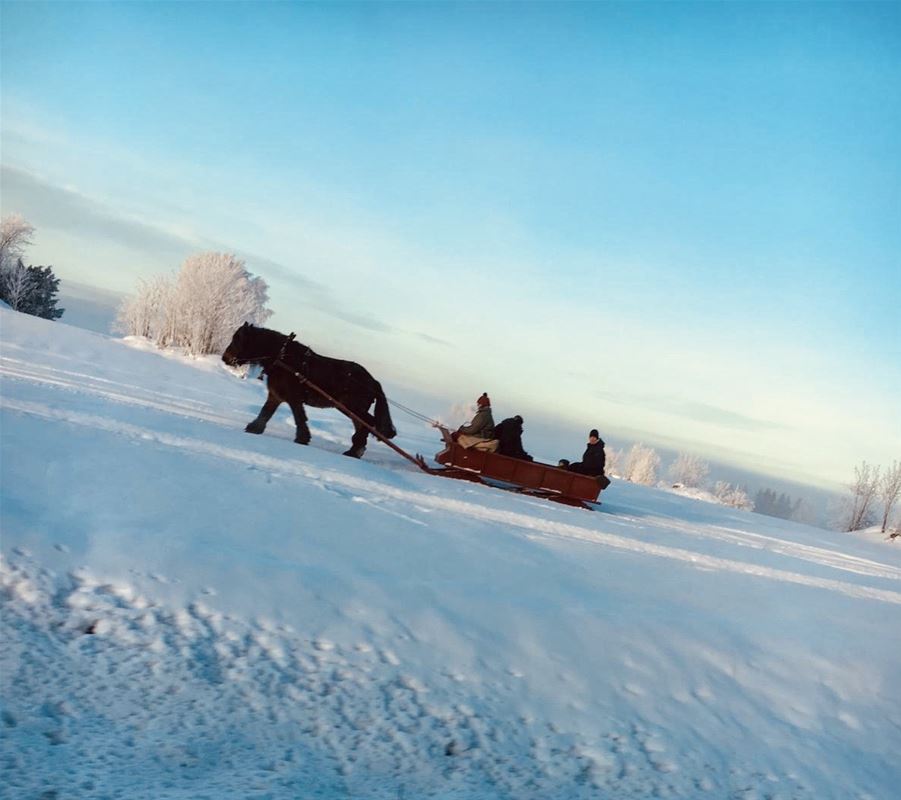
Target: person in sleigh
479,433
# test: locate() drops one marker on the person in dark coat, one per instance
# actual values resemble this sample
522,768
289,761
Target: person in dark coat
509,436
593,459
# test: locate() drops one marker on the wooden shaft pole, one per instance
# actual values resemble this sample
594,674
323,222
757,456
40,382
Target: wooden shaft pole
345,410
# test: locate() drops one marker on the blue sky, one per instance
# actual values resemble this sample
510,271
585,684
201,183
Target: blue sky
676,222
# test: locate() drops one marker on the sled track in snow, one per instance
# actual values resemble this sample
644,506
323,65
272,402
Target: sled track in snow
369,491
113,391
773,544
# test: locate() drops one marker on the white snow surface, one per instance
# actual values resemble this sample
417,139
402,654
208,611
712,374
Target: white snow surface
190,611
874,534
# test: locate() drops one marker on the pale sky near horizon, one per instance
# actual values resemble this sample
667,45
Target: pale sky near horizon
678,222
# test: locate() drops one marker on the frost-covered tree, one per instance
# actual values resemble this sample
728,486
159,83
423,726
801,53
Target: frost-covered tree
863,489
733,496
613,461
689,470
200,307
16,283
15,280
889,488
15,236
213,295
145,313
641,465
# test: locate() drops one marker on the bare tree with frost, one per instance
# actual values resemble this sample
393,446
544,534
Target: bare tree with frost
200,307
15,236
214,294
16,282
144,312
733,496
613,461
641,465
859,511
689,470
888,489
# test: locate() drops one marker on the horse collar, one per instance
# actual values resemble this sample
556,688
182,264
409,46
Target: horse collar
288,339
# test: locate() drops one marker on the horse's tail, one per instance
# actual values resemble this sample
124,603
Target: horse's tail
383,423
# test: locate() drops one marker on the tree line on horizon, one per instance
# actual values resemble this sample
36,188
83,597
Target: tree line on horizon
640,464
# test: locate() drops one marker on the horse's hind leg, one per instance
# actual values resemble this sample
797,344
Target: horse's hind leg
358,443
259,424
300,421
361,434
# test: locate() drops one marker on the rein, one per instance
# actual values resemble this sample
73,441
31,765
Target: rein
280,362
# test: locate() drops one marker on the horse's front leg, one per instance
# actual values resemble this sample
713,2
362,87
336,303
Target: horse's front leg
259,424
300,421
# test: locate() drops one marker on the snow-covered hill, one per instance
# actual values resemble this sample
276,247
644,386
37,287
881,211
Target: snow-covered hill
190,611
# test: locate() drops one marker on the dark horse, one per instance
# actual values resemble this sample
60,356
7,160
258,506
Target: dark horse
289,365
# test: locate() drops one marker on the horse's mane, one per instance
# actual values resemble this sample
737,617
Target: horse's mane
266,332
275,339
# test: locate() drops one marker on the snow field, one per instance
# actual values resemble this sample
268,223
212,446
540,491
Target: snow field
132,699
191,611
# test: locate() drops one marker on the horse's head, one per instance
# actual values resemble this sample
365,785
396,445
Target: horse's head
237,351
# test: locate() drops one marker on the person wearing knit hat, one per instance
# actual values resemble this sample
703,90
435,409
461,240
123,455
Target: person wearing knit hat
593,459
479,433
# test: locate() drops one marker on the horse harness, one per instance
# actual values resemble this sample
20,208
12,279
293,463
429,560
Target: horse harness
279,361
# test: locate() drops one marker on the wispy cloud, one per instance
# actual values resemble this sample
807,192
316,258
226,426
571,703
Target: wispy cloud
364,321
56,207
93,294
427,337
693,410
276,271
50,206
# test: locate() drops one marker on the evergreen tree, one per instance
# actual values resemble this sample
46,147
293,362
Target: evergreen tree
41,299
775,505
